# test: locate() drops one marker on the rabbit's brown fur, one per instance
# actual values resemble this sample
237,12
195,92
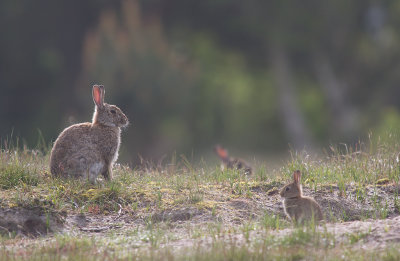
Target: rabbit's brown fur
86,150
298,207
232,163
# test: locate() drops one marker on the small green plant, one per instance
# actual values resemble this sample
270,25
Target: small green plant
360,193
357,236
246,228
159,198
300,236
195,197
111,192
384,210
214,210
271,221
396,202
261,173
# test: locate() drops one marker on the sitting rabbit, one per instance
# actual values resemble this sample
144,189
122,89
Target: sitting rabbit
86,150
298,207
232,163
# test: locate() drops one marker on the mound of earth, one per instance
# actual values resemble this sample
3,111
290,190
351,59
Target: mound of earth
29,222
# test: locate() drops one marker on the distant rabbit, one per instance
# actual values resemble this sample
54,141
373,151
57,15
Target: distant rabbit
298,207
86,150
232,163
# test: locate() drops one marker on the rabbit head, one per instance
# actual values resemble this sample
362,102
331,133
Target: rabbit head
293,190
106,114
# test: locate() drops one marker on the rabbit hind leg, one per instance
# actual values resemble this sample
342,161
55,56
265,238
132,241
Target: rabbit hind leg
107,172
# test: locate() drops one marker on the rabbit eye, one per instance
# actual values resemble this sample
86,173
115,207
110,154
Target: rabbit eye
287,189
113,111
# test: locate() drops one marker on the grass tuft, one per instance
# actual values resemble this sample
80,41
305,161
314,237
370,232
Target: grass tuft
14,175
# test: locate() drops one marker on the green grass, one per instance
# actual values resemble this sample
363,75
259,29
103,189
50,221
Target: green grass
273,221
12,176
359,167
357,236
232,222
18,169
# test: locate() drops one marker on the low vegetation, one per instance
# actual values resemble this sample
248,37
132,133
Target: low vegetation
185,211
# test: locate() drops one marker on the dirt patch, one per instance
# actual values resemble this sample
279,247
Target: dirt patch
79,220
240,204
356,203
174,215
369,233
30,222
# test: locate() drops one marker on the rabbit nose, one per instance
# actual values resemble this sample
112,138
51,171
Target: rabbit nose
124,123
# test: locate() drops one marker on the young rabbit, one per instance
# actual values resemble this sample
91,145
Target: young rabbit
298,207
232,163
86,150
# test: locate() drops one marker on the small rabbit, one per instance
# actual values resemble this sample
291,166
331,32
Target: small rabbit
86,150
298,207
232,163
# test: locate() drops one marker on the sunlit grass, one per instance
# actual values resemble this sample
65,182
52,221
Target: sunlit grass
20,168
182,183
343,165
13,175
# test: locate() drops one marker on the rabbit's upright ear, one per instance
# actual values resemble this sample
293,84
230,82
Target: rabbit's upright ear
296,176
222,153
98,95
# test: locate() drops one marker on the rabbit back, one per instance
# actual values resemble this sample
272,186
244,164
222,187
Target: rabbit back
240,165
231,163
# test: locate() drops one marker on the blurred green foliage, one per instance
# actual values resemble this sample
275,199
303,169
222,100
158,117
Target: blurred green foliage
190,74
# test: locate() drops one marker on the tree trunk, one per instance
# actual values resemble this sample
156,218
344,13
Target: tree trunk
343,115
292,118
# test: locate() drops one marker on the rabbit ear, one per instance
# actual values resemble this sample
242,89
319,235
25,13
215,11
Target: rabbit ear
98,95
296,176
221,152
